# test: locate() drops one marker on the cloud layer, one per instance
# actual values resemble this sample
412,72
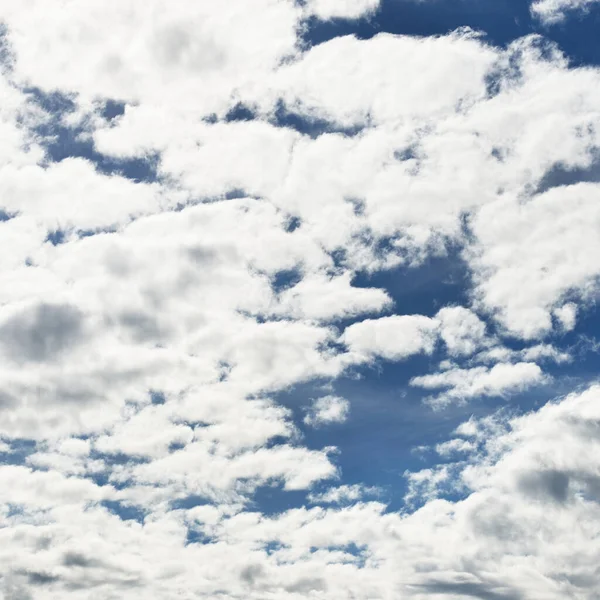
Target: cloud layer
196,205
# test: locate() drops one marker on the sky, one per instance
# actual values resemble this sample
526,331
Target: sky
298,299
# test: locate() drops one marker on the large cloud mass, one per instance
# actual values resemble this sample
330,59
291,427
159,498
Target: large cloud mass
195,207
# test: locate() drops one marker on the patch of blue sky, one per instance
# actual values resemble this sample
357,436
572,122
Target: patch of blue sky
286,279
61,141
126,512
19,449
583,343
560,175
501,22
285,116
388,419
5,216
439,281
273,499
313,127
112,109
387,426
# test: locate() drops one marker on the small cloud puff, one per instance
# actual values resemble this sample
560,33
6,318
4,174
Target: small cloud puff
343,494
566,315
461,385
344,9
461,330
554,11
328,409
393,338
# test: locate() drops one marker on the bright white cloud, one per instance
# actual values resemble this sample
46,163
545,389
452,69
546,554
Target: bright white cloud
150,51
346,9
566,315
540,498
344,494
145,339
328,409
392,338
554,11
534,253
455,446
321,297
461,385
461,330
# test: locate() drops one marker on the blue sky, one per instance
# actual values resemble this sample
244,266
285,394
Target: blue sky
501,22
299,299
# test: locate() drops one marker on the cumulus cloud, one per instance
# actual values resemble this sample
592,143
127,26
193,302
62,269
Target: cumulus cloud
328,409
463,384
511,492
554,11
42,332
461,330
191,201
566,315
177,50
343,494
545,267
392,338
347,9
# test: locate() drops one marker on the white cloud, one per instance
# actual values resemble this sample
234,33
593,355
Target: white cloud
543,352
537,353
326,82
461,330
392,338
534,253
464,384
567,315
347,9
164,291
94,201
425,485
554,11
343,494
321,297
454,446
327,409
538,498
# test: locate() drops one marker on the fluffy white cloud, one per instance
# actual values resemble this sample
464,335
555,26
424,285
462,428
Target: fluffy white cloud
454,446
554,11
392,338
327,409
517,503
147,327
347,9
463,384
343,494
323,297
461,330
566,315
534,253
190,56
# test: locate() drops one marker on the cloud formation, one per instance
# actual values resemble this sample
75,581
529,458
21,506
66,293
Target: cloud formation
555,11
209,223
327,409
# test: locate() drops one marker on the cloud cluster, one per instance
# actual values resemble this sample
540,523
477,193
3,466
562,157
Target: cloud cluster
524,527
346,9
327,409
190,198
555,11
